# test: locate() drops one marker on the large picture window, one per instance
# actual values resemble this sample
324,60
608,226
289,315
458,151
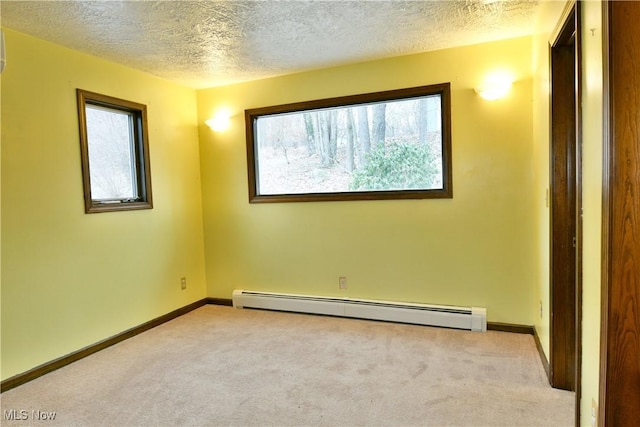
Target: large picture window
385,145
115,153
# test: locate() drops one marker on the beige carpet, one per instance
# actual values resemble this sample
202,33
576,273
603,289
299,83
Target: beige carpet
222,366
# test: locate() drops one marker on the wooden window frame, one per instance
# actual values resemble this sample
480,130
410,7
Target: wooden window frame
140,145
442,89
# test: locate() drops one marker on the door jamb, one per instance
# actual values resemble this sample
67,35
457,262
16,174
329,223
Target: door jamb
571,17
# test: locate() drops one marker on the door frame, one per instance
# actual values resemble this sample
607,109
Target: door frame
565,294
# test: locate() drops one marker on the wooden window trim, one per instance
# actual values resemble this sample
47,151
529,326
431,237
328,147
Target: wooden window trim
446,192
141,146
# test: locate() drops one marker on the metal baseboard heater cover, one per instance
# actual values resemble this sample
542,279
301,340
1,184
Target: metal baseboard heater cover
470,318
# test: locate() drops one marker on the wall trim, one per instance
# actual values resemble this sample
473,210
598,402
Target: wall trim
523,329
220,301
543,357
55,364
510,327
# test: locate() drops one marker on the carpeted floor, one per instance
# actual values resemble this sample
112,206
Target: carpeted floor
222,366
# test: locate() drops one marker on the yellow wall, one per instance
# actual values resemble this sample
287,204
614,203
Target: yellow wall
592,137
591,180
474,249
549,15
71,279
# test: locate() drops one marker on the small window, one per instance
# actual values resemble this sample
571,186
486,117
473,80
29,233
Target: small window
385,145
115,153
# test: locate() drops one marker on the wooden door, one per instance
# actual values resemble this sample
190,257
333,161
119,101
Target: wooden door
565,206
620,329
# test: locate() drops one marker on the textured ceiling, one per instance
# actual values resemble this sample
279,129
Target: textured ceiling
209,43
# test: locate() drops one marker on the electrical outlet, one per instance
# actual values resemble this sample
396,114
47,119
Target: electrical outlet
183,283
342,282
594,413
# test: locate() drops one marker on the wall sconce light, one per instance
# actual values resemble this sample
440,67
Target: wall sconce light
220,121
494,90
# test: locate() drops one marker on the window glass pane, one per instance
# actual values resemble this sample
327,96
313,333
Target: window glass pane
381,146
111,153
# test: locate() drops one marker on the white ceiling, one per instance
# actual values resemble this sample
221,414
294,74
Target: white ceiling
210,43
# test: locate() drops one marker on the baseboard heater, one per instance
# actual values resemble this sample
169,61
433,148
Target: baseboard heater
471,318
